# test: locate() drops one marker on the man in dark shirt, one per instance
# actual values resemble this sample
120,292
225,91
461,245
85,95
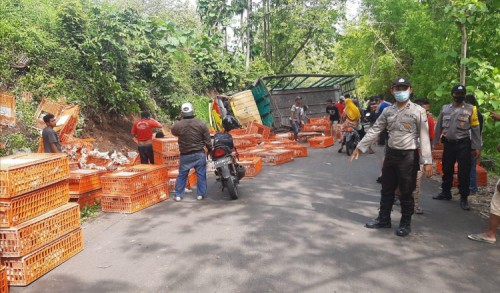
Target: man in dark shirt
334,113
51,142
193,138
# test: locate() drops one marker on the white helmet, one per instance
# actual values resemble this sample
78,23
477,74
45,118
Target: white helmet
187,110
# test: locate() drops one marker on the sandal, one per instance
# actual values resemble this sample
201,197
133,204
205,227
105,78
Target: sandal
480,238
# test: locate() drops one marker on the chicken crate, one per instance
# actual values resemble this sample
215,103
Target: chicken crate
244,141
166,144
172,178
168,159
84,180
250,153
21,271
323,127
25,207
256,128
4,285
253,166
133,179
279,143
283,136
439,167
7,108
23,173
304,137
276,157
74,166
238,131
482,177
87,199
299,150
35,233
319,120
321,142
437,154
135,202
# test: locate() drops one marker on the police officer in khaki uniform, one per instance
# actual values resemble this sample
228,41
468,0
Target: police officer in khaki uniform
408,130
459,125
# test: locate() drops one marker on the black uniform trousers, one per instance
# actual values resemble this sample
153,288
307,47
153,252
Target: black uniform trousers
146,154
399,170
456,151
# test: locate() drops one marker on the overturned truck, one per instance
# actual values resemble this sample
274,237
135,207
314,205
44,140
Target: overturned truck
268,99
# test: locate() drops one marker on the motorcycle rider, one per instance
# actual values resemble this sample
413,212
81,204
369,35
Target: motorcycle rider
193,137
350,117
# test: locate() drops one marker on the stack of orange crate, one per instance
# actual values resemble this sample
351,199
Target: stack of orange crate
166,152
39,229
134,188
85,186
4,285
172,178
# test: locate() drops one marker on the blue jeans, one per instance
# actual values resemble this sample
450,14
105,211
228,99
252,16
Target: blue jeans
198,161
473,175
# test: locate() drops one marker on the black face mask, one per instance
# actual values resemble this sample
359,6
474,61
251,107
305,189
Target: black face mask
458,99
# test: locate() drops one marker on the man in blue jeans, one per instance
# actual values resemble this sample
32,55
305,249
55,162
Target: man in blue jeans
296,117
193,138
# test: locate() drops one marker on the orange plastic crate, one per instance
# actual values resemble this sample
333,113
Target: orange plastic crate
21,271
244,141
276,157
438,146
35,233
84,180
23,173
97,161
439,167
321,142
168,159
8,106
256,128
133,179
437,154
319,120
253,166
279,143
190,183
87,199
299,150
4,285
323,127
238,132
166,144
25,207
250,153
135,202
304,137
283,136
74,166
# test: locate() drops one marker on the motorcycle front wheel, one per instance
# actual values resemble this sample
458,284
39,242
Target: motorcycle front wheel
231,187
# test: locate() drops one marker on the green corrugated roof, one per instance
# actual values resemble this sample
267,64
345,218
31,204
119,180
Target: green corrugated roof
306,81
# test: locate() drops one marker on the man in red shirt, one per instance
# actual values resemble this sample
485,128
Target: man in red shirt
142,131
341,104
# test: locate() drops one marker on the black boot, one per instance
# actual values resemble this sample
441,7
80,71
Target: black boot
443,196
464,204
377,223
404,226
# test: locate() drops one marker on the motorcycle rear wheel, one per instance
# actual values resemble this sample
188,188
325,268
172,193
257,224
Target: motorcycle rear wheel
231,187
350,146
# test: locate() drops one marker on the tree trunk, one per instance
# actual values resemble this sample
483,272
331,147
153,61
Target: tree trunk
265,31
463,52
249,29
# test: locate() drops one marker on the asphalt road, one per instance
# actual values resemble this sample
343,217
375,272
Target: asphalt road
296,228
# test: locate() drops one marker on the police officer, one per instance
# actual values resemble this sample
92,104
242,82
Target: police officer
459,125
408,129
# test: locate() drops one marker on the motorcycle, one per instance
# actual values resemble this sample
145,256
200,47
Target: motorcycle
227,170
351,139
